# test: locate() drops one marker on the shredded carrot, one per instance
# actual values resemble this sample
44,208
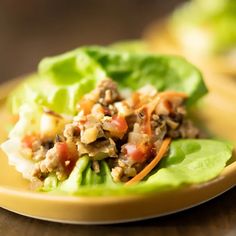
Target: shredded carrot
151,106
148,109
152,164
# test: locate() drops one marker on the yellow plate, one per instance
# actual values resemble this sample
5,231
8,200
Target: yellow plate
16,196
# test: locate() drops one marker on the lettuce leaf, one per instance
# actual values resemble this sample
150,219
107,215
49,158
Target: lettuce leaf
134,70
191,161
62,80
83,175
213,21
29,122
12,148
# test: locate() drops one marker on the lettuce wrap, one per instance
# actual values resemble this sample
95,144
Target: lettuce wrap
206,26
64,80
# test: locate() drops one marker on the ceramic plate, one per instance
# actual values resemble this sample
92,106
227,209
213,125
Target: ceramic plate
16,196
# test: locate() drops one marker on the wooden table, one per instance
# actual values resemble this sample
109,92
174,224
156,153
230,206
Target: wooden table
216,217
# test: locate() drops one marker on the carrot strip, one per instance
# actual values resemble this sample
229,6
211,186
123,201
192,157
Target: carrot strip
152,164
155,101
151,106
148,108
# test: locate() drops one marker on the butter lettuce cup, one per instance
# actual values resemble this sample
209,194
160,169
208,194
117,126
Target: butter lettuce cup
101,121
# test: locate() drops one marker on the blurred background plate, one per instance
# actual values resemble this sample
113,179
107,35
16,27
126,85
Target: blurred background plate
160,39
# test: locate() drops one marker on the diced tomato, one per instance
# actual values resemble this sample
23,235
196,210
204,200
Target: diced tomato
28,140
62,149
119,124
137,153
67,154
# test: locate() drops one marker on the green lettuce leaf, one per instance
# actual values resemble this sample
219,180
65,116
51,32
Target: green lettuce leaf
62,80
212,19
191,161
29,122
81,176
134,70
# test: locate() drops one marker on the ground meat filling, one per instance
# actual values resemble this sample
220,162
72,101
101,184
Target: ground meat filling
168,120
125,132
108,92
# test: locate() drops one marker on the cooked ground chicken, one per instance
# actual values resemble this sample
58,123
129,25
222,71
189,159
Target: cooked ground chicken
125,132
